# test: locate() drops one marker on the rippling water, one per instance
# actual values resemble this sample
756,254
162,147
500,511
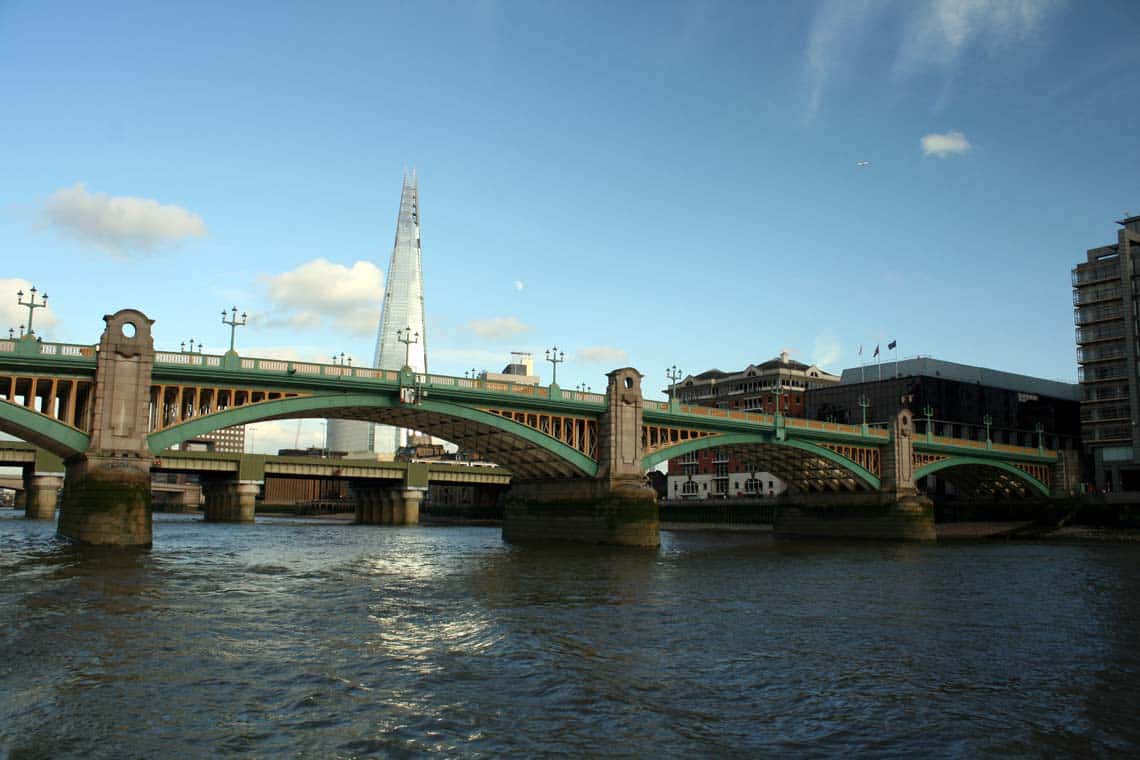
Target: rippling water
331,640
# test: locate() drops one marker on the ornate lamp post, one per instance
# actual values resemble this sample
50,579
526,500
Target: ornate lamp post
1040,430
583,387
555,357
987,421
864,404
182,347
928,410
234,324
341,360
406,337
674,375
32,306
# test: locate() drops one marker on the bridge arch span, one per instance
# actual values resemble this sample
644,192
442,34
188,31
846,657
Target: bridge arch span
59,438
801,464
527,452
975,475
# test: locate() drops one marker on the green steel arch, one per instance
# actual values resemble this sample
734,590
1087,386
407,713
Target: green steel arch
326,406
930,469
742,439
27,425
60,439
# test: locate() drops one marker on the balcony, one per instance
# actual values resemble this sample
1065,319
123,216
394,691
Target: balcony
1100,353
1102,373
1089,275
1102,313
1099,333
1096,295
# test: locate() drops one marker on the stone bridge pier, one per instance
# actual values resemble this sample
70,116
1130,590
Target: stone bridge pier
616,507
106,499
897,511
392,502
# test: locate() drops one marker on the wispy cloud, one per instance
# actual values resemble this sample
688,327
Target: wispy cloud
825,350
119,225
922,35
943,145
940,31
602,355
321,293
518,285
497,327
12,315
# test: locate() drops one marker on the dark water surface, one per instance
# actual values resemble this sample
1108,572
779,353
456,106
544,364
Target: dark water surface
297,639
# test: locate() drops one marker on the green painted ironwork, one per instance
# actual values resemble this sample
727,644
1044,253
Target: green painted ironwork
326,405
960,461
33,427
768,438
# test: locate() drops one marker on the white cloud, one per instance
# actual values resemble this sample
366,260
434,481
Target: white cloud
518,284
121,226
13,315
825,350
835,29
920,34
497,327
940,31
320,293
945,144
270,437
602,355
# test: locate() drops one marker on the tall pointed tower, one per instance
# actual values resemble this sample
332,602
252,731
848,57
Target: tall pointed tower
403,307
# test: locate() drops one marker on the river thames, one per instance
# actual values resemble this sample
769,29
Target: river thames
314,639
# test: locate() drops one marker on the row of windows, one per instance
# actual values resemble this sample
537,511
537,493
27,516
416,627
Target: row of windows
721,486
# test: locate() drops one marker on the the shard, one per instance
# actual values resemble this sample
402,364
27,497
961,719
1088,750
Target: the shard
402,310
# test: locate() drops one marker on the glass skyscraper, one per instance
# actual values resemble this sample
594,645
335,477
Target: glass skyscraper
403,308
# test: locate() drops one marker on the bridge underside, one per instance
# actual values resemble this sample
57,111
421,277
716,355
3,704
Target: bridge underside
800,469
525,460
980,481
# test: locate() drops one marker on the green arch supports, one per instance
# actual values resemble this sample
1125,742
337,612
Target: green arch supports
326,406
62,440
741,439
945,464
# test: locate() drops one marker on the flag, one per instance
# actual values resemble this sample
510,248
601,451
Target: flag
876,350
891,345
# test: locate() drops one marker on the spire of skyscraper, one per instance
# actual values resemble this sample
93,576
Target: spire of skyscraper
403,308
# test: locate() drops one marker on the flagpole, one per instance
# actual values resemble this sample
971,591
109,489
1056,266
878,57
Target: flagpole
879,364
862,366
896,350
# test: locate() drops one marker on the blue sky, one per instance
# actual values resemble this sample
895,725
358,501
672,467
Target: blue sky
639,183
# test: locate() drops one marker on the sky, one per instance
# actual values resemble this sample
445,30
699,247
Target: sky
698,184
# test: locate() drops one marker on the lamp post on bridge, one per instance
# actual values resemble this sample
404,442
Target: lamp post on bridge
406,337
342,360
182,347
928,410
1040,430
234,324
864,404
32,306
555,357
987,421
674,375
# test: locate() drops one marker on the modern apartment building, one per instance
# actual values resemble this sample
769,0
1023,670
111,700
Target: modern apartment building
1106,301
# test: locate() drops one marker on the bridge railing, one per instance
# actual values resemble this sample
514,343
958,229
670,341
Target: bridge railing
314,369
62,350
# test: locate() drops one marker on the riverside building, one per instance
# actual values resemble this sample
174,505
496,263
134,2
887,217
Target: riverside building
1106,309
715,474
